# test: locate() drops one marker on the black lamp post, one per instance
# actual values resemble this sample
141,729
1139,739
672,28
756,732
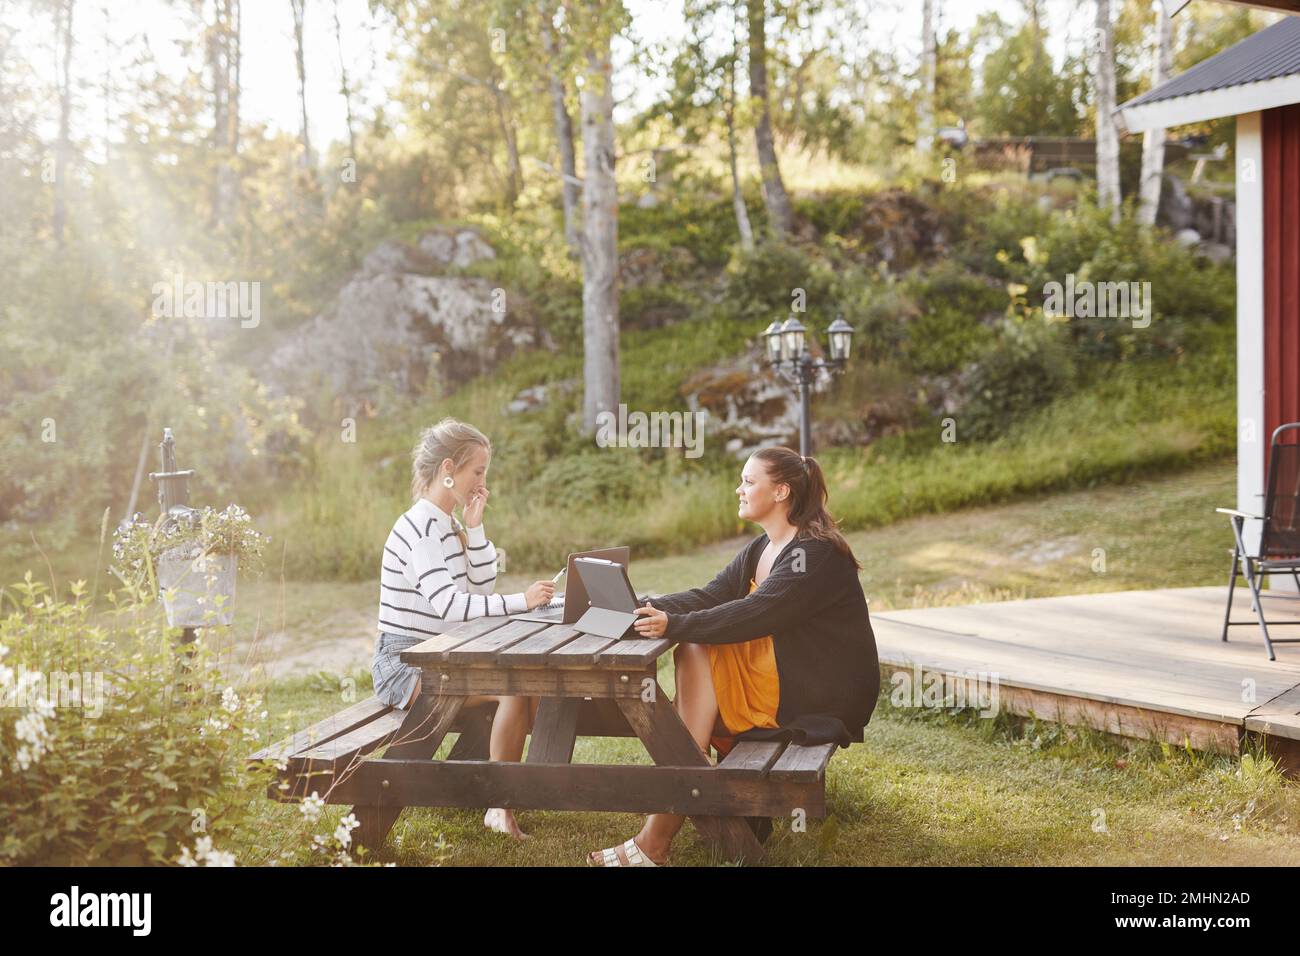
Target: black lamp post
787,352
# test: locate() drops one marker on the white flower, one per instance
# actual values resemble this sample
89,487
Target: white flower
204,851
344,832
312,806
230,700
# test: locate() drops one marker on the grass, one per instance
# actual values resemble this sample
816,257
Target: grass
1154,532
933,789
1140,420
926,787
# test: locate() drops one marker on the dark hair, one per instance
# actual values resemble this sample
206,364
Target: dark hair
807,495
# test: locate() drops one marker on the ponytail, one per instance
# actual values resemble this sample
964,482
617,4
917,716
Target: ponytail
808,495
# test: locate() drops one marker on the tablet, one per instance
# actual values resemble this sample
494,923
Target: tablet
607,584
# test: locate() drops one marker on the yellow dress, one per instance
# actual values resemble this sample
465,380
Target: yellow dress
745,682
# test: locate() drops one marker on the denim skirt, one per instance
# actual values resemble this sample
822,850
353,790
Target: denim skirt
394,681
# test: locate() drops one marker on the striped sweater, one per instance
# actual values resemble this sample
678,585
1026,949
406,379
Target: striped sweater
429,582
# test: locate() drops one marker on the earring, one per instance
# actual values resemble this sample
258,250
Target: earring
448,481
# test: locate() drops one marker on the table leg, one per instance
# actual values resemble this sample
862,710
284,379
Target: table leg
475,739
555,730
669,743
431,717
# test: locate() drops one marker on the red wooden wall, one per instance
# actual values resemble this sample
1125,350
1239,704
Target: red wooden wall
1280,135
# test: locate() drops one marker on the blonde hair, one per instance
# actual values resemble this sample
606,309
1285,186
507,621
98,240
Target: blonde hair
449,438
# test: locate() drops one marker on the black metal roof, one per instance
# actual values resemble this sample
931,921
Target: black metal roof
1266,55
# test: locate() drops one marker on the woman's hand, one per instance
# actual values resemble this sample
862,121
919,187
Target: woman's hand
539,593
651,622
473,514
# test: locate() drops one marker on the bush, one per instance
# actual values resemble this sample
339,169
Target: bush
1026,367
117,748
583,480
761,285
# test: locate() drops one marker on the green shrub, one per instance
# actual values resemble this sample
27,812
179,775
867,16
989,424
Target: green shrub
944,338
1027,366
117,748
579,481
761,284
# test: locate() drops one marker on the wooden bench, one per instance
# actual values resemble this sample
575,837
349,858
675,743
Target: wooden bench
379,759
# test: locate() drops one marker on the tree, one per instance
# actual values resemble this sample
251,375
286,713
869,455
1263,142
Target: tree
570,195
1153,141
600,368
299,15
63,149
926,102
458,87
780,214
704,88
743,226
1021,94
223,61
345,87
1108,195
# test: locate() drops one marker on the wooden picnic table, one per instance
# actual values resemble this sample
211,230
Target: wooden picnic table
589,686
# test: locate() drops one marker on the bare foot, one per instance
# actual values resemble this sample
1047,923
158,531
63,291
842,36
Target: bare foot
502,820
597,857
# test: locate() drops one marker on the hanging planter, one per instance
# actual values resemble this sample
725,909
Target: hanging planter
194,558
198,588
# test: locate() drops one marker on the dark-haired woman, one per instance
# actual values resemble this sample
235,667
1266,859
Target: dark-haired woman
777,646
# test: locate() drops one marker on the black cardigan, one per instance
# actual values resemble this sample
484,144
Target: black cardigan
813,606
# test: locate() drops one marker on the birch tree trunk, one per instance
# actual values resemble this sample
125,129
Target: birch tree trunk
299,14
509,135
1153,141
224,56
344,86
63,149
1108,196
929,58
600,370
780,215
571,194
743,225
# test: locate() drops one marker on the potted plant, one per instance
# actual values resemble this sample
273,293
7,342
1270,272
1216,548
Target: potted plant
192,558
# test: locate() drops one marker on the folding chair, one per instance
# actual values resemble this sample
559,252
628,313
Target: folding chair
1279,540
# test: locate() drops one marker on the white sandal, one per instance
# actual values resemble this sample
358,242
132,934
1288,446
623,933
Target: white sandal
625,854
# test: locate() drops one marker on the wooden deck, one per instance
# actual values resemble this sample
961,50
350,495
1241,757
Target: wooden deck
1144,664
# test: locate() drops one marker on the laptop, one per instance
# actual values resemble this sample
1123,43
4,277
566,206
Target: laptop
566,608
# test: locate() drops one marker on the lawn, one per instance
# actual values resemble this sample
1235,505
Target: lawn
924,787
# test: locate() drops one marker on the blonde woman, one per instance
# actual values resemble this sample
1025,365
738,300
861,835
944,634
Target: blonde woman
438,571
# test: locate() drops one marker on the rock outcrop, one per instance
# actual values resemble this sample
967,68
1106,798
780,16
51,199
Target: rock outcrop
401,323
